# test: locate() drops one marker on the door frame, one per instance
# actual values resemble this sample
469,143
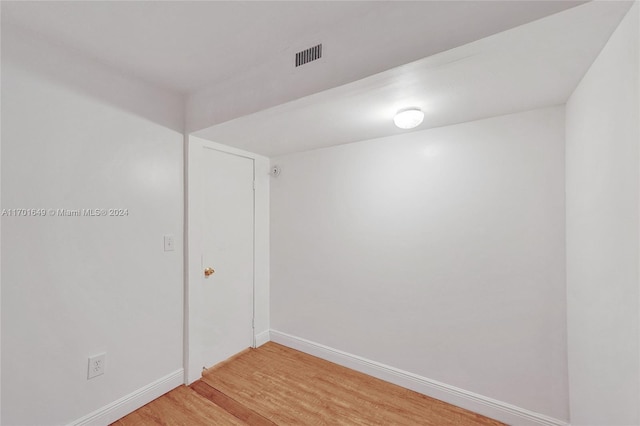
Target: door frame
193,244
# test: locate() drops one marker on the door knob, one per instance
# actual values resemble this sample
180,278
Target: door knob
208,271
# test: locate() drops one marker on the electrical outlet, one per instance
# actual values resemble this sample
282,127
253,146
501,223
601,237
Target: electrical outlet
96,365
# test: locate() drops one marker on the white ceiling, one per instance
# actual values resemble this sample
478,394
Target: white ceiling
531,66
186,45
235,59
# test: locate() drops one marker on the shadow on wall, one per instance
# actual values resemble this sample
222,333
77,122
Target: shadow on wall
90,77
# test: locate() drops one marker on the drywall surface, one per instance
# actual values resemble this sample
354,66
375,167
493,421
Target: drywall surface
438,252
603,281
79,137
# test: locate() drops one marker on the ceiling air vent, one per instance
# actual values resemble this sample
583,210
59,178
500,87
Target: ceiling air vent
308,55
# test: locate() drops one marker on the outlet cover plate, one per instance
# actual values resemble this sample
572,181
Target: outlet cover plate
96,365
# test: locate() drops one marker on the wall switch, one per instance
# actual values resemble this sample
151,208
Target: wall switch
96,365
169,243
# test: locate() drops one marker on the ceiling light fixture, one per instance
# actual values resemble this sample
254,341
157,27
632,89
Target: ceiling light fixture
408,118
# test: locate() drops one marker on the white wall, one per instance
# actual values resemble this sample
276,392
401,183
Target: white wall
603,163
76,135
438,252
0,234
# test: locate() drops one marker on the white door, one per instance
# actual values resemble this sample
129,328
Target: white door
222,213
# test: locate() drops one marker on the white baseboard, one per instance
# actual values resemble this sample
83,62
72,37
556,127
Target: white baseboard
262,338
486,406
120,408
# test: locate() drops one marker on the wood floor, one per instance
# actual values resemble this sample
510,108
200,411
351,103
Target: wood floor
276,385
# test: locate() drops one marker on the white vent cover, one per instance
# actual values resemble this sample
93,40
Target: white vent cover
308,55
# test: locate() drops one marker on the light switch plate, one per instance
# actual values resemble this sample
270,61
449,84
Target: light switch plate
169,243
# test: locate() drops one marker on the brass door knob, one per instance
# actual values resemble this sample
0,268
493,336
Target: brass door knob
208,271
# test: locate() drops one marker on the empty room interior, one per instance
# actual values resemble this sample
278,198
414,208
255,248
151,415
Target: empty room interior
423,202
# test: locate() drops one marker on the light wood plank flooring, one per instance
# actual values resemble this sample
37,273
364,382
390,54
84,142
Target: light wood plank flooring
276,385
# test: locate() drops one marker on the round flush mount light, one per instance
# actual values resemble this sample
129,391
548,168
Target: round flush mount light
408,118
